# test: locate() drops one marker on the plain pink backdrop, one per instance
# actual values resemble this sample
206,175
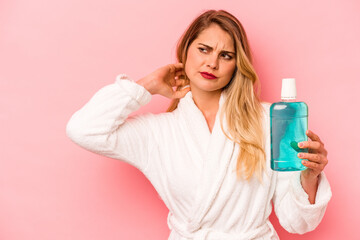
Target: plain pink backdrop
54,55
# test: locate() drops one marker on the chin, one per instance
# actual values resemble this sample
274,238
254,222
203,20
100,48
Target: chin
207,88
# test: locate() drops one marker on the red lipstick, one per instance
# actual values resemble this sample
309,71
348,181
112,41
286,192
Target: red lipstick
208,75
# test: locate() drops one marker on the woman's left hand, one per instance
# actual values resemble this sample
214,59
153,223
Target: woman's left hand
317,156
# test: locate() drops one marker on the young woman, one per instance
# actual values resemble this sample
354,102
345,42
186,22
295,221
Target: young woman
208,156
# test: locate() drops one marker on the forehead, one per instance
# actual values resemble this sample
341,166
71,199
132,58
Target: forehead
215,37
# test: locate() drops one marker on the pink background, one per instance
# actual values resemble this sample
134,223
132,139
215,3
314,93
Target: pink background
54,55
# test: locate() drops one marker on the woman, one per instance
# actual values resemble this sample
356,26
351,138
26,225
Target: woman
203,153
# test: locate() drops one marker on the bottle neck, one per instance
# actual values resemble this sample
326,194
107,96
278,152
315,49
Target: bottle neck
288,100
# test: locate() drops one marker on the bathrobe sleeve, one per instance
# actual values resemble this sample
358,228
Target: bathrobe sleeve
292,207
102,125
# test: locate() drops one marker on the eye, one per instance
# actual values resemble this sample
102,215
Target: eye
229,57
201,49
225,54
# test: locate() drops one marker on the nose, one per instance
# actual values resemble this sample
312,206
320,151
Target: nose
212,61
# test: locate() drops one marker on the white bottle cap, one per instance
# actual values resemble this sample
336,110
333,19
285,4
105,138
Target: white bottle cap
288,88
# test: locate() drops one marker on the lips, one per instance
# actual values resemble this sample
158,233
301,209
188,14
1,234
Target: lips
208,75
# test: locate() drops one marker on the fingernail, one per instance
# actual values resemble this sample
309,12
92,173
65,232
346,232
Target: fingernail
301,144
303,162
300,155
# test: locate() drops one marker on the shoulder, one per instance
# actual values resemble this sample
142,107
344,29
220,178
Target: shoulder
156,124
266,106
156,117
266,103
158,120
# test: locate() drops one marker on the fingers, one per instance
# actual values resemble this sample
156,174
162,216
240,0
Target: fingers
181,93
313,165
179,71
187,86
179,65
176,81
179,74
179,82
310,144
315,161
176,66
316,145
313,136
312,157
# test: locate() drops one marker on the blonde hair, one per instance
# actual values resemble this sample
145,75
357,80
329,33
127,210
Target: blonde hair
242,106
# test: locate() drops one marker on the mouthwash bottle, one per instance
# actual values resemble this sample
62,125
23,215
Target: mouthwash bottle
288,125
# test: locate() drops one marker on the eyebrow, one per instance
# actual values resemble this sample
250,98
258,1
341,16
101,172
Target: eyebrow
212,49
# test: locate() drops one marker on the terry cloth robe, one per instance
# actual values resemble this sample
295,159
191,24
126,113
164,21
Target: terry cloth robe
193,169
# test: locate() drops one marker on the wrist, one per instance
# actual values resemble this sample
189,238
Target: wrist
147,84
309,181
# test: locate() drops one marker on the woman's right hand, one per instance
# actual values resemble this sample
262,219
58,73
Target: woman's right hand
162,81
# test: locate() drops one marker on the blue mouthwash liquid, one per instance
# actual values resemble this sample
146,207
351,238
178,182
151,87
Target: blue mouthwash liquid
288,125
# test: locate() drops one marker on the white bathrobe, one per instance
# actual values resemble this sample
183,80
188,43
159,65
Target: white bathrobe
192,169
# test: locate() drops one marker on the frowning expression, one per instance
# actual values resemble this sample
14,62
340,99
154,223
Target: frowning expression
212,52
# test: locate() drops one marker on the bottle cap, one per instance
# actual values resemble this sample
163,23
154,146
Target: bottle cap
288,88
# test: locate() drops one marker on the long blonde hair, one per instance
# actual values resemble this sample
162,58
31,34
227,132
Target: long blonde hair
242,106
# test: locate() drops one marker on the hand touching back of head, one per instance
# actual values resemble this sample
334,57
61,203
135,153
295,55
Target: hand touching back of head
163,79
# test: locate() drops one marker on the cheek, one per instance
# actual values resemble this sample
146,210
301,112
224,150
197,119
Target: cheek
192,62
230,68
193,57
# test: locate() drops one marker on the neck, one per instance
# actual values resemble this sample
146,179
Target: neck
207,102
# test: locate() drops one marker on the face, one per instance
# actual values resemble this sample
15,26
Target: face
212,52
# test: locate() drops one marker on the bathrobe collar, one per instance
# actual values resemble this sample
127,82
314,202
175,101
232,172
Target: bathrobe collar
216,151
196,121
